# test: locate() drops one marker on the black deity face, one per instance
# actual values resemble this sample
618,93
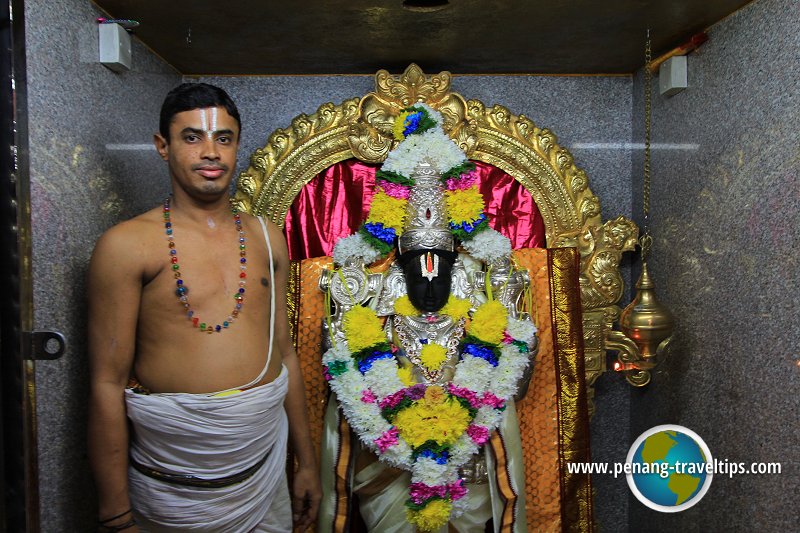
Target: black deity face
428,276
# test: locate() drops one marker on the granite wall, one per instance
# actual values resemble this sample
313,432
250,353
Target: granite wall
725,219
88,171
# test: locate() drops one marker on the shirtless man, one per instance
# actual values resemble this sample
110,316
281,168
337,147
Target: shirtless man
189,298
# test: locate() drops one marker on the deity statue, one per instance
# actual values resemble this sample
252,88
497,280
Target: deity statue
425,360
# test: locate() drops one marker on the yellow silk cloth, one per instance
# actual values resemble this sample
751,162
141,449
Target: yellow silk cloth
553,417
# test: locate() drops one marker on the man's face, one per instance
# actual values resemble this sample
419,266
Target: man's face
428,293
201,150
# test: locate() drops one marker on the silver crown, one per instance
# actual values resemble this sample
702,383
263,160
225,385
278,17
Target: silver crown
426,221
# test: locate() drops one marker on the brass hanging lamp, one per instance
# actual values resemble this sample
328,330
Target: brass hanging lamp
645,320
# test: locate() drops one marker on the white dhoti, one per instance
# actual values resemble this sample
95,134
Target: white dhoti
208,438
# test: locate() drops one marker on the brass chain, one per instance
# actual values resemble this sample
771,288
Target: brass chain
648,77
646,241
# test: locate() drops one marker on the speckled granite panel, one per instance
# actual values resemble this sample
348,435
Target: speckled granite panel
79,188
592,118
590,115
725,223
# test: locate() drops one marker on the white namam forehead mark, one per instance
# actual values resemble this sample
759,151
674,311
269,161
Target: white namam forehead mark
204,121
205,126
213,122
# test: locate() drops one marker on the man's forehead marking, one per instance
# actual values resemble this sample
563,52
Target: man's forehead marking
209,125
203,121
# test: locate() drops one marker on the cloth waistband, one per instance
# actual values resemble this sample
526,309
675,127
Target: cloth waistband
194,481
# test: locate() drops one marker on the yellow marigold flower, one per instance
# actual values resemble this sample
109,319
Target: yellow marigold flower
456,308
464,205
433,356
403,306
441,422
362,328
489,322
434,395
390,211
431,517
400,125
406,375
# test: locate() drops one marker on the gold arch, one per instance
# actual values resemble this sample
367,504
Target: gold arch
362,128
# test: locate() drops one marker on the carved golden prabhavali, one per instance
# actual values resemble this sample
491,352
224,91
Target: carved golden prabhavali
362,128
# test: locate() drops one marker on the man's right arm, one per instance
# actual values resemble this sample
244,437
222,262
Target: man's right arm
115,284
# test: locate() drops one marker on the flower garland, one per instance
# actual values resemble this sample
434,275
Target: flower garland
418,128
430,430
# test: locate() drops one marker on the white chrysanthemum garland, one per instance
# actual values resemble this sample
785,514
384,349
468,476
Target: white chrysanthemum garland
373,393
370,386
422,139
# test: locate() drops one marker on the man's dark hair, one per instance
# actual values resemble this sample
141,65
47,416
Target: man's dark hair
188,96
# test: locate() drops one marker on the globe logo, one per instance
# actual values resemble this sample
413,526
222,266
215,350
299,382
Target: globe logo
670,468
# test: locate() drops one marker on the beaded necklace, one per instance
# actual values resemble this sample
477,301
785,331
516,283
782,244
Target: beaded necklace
182,290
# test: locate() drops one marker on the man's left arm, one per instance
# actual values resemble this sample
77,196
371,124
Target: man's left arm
305,490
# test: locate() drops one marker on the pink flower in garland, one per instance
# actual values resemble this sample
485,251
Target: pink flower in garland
507,339
368,396
387,440
457,490
393,399
463,392
464,181
420,492
395,190
478,434
492,401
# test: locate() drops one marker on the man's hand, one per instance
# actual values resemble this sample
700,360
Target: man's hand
306,494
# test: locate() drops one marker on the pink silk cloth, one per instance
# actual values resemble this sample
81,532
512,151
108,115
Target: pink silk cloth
336,201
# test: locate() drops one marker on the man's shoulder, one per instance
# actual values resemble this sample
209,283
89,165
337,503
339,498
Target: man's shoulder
132,236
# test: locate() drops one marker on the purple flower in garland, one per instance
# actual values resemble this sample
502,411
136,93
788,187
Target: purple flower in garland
416,392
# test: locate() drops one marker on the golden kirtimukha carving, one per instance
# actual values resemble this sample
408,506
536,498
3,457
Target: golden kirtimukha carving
362,128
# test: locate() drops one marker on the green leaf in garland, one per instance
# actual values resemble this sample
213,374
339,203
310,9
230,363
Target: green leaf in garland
456,171
336,368
393,177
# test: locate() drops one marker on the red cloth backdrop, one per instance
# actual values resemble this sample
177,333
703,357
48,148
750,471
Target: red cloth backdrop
337,200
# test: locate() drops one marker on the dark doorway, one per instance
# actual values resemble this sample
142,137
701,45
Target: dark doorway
19,504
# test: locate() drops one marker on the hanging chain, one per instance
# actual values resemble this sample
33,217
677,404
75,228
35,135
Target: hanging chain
646,241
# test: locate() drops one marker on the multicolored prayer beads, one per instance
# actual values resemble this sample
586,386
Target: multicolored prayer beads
182,290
